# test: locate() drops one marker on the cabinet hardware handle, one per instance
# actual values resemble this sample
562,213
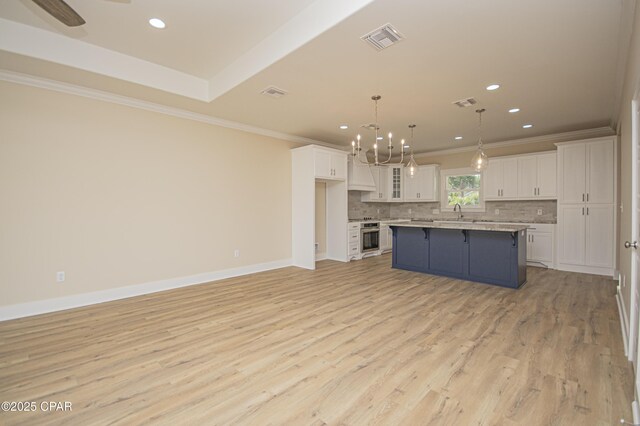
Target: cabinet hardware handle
532,238
583,197
587,197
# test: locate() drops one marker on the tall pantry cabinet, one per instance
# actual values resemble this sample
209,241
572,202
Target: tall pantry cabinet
587,206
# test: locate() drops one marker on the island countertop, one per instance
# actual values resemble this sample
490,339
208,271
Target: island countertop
471,226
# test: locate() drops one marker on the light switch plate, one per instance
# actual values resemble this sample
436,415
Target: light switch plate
497,212
539,212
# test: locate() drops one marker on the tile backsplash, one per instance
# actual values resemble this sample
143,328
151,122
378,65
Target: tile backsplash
508,211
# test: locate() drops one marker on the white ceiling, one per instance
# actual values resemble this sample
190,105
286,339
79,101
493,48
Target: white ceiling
560,62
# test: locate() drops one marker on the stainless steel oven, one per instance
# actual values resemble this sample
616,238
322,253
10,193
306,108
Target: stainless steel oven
369,236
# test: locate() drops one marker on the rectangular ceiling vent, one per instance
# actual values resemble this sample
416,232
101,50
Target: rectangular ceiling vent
274,92
383,37
463,103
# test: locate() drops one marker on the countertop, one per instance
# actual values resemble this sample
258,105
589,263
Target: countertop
476,226
506,221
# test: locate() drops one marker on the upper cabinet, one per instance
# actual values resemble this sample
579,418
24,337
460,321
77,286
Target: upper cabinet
423,186
521,177
395,183
501,179
586,172
537,176
330,164
380,180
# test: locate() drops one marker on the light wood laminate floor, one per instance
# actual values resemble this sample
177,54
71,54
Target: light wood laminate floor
357,343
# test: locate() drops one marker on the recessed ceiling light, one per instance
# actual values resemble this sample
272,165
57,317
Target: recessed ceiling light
512,110
157,23
458,138
493,87
527,126
379,138
344,127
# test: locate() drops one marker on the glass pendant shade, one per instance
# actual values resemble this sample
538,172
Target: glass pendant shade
413,167
479,160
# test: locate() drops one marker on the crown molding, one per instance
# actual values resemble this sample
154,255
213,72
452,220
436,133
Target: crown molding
43,83
553,138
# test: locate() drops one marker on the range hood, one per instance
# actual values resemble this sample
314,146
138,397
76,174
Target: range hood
360,177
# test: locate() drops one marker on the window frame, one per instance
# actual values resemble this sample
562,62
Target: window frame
444,204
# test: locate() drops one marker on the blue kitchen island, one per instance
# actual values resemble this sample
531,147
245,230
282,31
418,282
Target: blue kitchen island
482,252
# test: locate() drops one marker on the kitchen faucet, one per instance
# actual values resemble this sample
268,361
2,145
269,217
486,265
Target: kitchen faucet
458,208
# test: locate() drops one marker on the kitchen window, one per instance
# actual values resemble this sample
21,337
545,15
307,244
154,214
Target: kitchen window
464,187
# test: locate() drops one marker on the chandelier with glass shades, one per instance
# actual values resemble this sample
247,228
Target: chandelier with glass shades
356,150
479,161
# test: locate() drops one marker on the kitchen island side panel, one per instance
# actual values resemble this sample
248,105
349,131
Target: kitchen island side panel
450,254
410,249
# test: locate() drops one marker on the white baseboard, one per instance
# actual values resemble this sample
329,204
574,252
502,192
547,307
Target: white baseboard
595,270
321,256
624,322
635,409
78,300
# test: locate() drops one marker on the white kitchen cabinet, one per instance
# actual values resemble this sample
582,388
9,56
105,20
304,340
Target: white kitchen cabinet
330,165
572,234
540,244
395,183
586,208
537,176
586,237
386,238
381,181
600,173
423,186
586,172
353,237
309,164
599,235
501,179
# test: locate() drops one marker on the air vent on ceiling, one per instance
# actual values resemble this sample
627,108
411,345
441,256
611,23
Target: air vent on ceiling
370,126
274,92
463,103
383,37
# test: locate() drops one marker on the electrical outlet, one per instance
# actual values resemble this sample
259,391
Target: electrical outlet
60,276
378,211
410,211
497,212
539,212
236,253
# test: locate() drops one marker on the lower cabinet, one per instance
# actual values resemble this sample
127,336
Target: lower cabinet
386,238
540,244
586,235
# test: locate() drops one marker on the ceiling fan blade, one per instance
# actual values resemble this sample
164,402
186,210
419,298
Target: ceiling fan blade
61,11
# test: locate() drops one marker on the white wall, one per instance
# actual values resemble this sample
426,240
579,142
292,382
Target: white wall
117,196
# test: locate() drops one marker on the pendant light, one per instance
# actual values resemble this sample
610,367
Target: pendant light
412,165
479,160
